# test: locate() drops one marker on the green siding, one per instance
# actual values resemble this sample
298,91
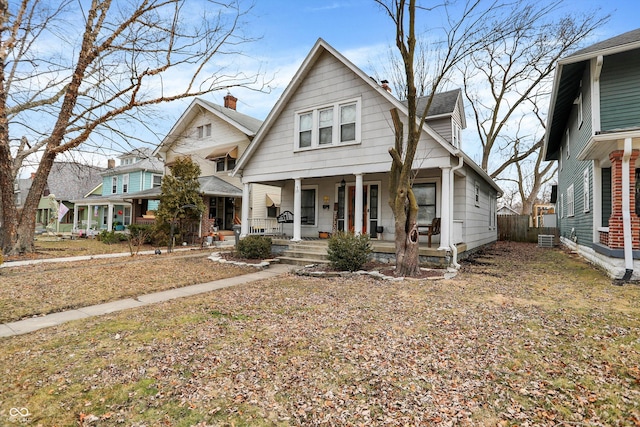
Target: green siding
620,91
572,173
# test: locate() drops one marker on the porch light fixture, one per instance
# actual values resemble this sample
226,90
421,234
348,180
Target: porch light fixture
343,183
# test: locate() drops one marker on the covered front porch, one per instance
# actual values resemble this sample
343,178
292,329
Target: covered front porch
358,203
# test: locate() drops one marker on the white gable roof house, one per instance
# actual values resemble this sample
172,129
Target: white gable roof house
214,136
326,142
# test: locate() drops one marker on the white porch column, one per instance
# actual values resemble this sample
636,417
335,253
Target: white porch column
110,217
244,230
75,217
446,209
89,216
357,221
297,209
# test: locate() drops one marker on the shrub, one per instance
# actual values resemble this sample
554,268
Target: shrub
108,237
254,247
139,234
348,252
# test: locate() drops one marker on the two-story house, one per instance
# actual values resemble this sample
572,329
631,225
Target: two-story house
113,209
593,132
326,144
214,137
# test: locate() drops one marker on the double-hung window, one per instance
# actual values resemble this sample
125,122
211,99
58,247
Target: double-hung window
425,195
125,183
114,185
308,206
585,183
570,201
328,125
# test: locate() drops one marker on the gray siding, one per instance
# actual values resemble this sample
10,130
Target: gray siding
620,91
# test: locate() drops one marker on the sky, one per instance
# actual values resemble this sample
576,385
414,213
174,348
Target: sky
359,29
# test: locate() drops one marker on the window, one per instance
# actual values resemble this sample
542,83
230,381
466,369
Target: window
114,185
560,159
570,201
308,207
477,194
225,163
562,206
456,135
578,103
213,207
325,126
126,218
568,146
426,197
204,130
586,192
156,181
220,164
125,183
328,125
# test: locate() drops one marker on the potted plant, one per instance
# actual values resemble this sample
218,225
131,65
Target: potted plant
324,234
117,226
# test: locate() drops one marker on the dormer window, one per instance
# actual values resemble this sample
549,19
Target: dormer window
328,125
456,135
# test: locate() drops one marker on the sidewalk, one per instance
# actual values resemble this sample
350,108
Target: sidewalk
33,324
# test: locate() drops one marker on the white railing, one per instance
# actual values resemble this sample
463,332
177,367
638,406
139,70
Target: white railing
265,226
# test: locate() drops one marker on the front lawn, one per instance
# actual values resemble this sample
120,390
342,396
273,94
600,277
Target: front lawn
522,336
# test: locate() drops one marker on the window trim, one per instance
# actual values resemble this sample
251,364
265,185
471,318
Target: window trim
153,177
336,125
435,201
586,191
125,183
114,185
570,201
456,134
567,138
476,196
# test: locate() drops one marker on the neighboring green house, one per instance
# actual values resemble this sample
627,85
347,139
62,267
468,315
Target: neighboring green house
593,132
112,209
67,181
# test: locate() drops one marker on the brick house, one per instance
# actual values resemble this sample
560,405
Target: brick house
593,132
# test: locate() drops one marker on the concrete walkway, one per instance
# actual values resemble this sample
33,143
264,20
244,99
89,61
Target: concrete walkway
34,323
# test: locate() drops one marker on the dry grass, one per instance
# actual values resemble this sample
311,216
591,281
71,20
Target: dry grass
523,336
47,288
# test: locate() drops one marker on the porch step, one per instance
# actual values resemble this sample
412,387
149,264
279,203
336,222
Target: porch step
304,252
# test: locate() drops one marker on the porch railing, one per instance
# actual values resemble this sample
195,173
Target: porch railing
265,226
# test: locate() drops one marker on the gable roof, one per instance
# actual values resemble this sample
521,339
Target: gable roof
320,47
242,122
148,163
209,186
443,104
566,84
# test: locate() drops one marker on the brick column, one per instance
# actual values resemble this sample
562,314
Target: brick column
616,232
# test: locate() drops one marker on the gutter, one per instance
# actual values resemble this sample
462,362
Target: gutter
452,245
626,213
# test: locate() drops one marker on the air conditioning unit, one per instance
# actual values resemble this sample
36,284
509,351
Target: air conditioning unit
546,240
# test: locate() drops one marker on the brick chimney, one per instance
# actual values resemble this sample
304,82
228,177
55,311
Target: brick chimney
230,101
111,163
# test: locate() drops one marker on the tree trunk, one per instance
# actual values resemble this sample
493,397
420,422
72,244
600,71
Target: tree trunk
407,250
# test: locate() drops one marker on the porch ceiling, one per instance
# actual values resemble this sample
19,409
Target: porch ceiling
600,146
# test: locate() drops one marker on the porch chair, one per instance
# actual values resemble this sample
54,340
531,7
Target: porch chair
431,230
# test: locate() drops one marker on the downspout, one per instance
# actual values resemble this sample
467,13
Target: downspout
452,245
626,211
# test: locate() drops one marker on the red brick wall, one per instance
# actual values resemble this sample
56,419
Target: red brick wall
616,232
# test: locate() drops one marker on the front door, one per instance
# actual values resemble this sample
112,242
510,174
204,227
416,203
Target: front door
369,208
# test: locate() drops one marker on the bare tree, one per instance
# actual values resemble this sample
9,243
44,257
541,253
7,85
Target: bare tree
462,35
508,83
60,86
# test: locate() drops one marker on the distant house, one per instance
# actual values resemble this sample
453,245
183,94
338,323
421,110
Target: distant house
214,137
593,132
112,209
67,182
506,210
326,142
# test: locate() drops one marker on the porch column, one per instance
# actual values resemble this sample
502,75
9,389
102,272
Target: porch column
75,217
297,209
358,212
244,228
618,207
110,217
89,216
446,209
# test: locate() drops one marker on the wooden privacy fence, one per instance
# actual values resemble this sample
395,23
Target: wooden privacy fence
515,228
